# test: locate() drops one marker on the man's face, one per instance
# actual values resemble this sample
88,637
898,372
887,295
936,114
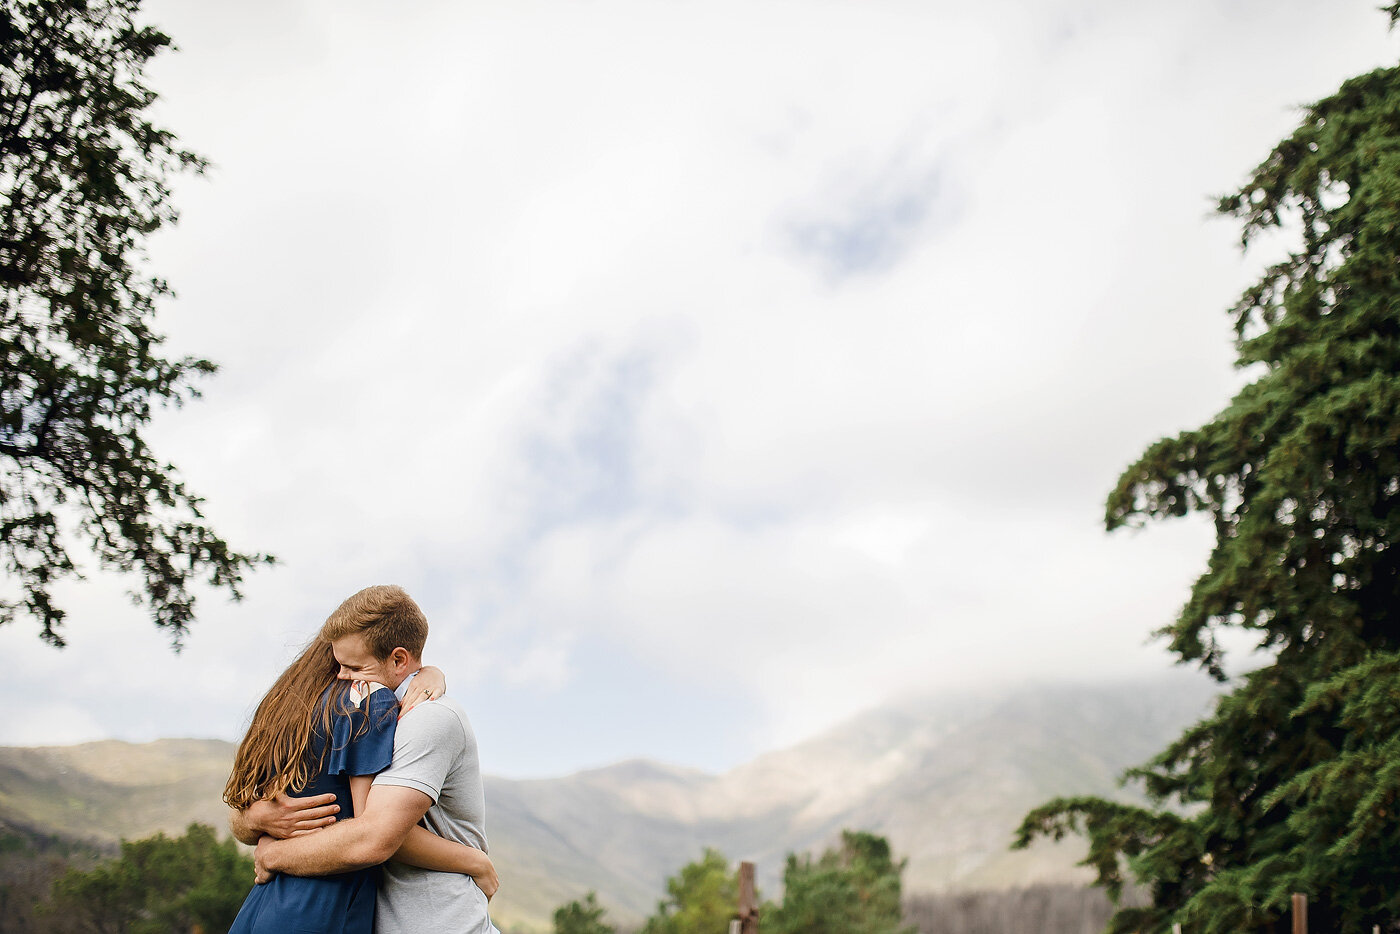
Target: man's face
357,663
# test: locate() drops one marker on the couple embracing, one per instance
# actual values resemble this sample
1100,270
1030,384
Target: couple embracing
357,727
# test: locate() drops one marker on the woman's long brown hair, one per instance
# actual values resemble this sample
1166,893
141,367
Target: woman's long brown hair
273,755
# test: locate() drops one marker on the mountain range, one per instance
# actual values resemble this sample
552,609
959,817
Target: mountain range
945,777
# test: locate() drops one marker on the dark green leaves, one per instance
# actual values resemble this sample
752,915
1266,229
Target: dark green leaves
157,885
700,898
84,177
1291,785
585,917
855,889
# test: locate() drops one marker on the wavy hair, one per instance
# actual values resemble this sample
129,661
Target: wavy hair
275,752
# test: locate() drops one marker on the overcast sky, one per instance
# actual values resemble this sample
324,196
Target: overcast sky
709,371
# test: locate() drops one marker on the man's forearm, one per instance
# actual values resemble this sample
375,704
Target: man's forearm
349,844
352,844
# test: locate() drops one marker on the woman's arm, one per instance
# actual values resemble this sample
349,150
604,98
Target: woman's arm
429,684
359,792
427,850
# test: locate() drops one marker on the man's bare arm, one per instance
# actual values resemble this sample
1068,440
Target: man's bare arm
281,817
367,840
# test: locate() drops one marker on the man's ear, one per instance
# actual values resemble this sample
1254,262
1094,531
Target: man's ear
398,657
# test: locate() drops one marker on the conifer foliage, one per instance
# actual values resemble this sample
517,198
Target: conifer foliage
582,917
84,179
158,885
855,889
701,897
1293,783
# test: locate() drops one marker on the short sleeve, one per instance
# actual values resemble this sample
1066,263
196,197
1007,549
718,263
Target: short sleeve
362,739
430,742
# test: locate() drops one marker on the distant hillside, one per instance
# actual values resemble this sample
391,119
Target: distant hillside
103,792
945,778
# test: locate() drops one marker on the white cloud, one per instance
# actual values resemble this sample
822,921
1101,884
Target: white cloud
784,346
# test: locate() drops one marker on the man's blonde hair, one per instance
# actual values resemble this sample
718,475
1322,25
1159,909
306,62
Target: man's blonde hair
385,615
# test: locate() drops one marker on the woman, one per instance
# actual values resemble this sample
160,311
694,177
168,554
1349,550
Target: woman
310,736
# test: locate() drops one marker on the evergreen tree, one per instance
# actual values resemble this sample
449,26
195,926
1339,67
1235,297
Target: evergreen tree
585,917
157,886
701,898
84,179
1293,783
855,889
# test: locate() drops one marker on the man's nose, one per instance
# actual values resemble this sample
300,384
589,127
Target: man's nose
344,674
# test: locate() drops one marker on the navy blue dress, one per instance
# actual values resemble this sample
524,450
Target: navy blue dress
362,743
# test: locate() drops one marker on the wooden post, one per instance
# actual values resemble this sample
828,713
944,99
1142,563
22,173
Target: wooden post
748,901
1176,927
1300,914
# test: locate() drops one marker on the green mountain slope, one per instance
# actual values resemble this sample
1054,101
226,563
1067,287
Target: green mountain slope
945,778
103,792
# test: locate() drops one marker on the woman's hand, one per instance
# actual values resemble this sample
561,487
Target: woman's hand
486,878
286,816
426,850
429,684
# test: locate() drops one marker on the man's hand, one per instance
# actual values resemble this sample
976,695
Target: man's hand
261,873
286,816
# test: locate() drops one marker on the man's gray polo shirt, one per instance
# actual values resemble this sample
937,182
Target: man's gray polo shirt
435,753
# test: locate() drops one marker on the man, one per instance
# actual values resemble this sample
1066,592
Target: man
378,635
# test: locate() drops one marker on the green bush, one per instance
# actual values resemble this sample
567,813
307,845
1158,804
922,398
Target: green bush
157,886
